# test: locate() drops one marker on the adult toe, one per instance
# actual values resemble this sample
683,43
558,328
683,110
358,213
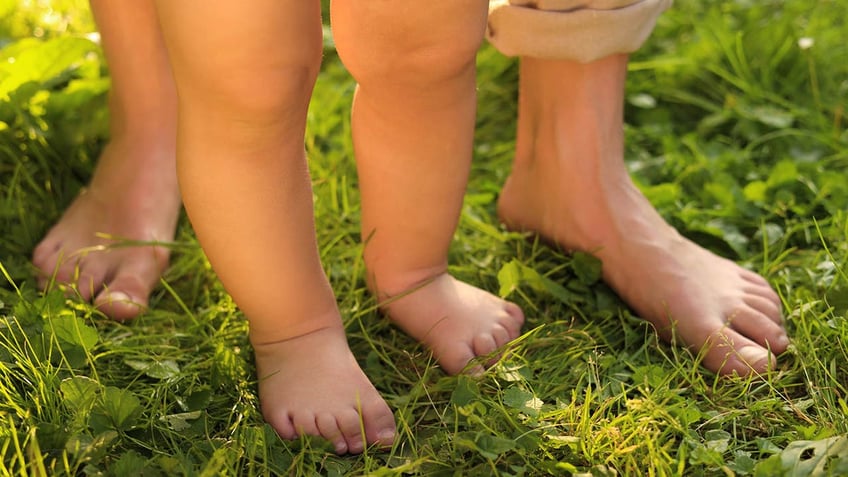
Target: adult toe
728,352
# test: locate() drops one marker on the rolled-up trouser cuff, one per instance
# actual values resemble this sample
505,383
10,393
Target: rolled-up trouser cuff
579,30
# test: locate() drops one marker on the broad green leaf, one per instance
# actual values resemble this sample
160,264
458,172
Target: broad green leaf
809,458
755,191
723,194
523,401
466,391
40,61
79,392
587,268
663,195
198,399
513,274
130,464
704,454
731,235
516,398
687,412
652,375
118,409
784,172
164,369
717,440
179,422
93,448
509,277
491,446
563,441
742,463
74,331
513,372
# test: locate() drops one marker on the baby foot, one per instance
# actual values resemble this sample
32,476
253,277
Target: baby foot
312,385
456,321
133,196
710,304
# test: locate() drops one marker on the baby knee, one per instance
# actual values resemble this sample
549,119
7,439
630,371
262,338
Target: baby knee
418,63
258,92
578,30
269,96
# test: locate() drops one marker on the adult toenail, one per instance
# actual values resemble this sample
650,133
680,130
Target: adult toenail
356,448
751,355
341,447
119,297
782,342
386,436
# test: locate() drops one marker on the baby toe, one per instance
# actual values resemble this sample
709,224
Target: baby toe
456,358
304,424
282,423
484,344
328,427
350,427
515,321
501,335
379,423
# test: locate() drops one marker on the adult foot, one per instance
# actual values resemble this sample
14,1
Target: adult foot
456,321
569,184
101,247
312,385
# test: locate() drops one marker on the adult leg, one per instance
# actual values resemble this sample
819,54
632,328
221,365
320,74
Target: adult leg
133,194
413,122
244,74
570,184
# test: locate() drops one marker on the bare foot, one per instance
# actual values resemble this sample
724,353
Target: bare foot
133,196
312,385
456,321
569,185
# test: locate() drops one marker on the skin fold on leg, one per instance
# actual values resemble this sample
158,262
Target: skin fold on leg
569,184
244,77
133,194
413,120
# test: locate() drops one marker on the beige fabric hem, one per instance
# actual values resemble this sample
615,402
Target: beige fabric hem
579,30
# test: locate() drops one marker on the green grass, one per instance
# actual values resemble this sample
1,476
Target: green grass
737,135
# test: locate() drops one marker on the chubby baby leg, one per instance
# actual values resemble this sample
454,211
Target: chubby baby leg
244,77
413,121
